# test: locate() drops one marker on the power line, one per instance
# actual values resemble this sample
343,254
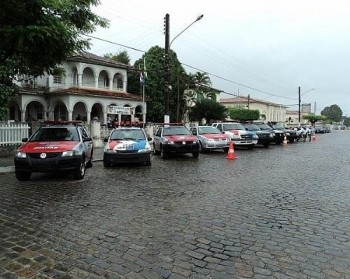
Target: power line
195,68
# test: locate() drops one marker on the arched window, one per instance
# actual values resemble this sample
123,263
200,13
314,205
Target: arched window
118,82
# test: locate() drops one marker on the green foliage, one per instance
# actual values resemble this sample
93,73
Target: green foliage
207,109
37,35
155,84
333,113
314,118
121,57
346,121
244,114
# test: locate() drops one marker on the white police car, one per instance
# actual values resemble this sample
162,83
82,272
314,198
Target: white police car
127,145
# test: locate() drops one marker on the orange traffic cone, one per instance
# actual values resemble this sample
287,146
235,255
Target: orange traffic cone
231,152
285,141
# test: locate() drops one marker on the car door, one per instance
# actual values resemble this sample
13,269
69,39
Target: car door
157,139
87,142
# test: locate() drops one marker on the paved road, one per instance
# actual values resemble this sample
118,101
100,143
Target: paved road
280,212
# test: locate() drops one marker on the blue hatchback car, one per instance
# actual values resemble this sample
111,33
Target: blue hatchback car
127,145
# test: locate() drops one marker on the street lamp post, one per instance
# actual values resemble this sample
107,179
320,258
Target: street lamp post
167,61
300,101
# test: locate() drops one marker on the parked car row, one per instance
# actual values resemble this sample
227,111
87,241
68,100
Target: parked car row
66,146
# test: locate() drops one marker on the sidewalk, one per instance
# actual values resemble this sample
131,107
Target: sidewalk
7,163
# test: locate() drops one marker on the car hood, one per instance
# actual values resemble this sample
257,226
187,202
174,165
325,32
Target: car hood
214,136
127,144
181,138
48,146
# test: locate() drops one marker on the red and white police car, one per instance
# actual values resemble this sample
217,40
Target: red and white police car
175,139
55,147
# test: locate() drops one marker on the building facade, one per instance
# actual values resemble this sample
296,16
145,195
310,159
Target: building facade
269,112
90,88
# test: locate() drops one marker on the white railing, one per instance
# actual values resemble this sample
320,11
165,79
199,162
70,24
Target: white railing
11,133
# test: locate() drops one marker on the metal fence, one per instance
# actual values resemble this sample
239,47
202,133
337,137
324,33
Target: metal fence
11,133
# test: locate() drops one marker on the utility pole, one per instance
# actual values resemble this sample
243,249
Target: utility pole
299,105
248,100
167,67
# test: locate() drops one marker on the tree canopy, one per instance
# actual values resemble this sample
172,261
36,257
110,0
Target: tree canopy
314,118
333,113
152,63
207,109
121,57
38,35
244,114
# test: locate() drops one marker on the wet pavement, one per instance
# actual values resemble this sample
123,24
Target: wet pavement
280,212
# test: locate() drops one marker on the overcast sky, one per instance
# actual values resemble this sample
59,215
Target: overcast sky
265,48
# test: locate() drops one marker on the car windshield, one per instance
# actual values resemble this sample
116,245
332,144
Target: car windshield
278,126
127,134
232,126
251,127
168,131
264,127
56,134
208,130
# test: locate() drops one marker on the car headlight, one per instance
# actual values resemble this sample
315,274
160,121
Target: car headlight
255,137
272,135
168,142
70,153
146,149
20,154
287,134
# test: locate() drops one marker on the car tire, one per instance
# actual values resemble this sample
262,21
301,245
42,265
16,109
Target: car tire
226,149
80,173
89,163
155,151
200,146
106,164
163,154
23,175
195,154
148,162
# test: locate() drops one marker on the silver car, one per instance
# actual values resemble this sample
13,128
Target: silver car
211,138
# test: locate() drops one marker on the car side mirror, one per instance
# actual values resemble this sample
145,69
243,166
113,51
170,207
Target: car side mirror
149,139
105,140
87,139
24,139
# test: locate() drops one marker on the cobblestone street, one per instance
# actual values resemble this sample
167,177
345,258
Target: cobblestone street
277,212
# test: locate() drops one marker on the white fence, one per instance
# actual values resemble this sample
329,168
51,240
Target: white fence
11,133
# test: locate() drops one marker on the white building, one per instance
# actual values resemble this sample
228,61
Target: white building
91,87
268,111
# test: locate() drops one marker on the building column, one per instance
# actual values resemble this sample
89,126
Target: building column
96,82
110,83
80,80
88,116
23,115
70,115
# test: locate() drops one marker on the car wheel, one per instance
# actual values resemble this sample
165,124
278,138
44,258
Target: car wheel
266,145
251,147
195,154
155,151
226,149
148,162
89,163
163,154
200,146
23,175
80,173
106,164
